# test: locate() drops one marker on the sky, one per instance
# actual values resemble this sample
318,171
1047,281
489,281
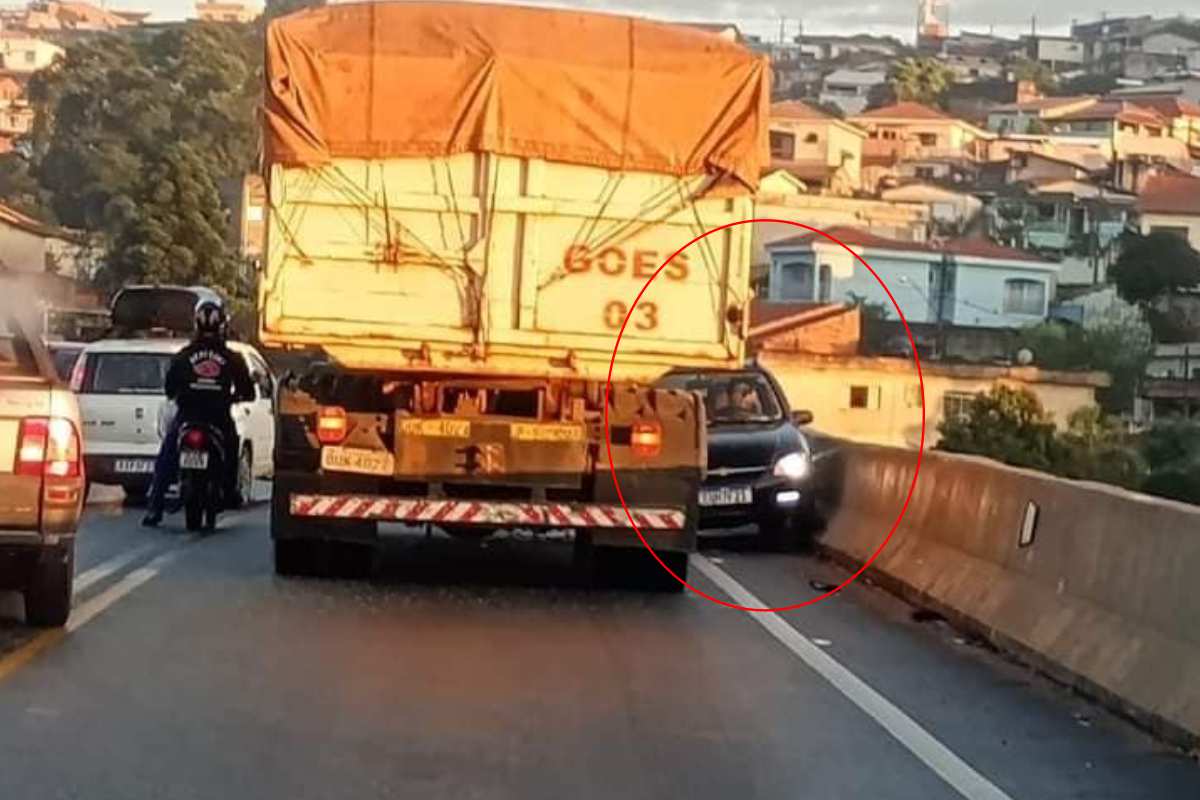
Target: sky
894,17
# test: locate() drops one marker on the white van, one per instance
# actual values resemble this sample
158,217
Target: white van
120,387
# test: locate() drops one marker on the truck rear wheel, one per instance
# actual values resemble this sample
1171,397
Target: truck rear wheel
296,558
48,592
634,567
315,558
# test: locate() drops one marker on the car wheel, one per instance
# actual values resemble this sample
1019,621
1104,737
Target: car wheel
135,493
48,592
790,533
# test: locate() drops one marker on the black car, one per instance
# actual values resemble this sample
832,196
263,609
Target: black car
762,468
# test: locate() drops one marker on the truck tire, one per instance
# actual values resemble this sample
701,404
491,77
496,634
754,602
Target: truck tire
314,558
48,591
634,567
297,558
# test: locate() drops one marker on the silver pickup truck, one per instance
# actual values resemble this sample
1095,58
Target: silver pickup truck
41,471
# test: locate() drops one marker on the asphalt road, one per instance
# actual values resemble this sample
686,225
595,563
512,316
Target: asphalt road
190,671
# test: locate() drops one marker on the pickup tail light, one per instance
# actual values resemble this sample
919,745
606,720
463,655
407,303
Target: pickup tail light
48,446
646,439
332,425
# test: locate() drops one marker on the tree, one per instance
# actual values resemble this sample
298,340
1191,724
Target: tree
1155,265
1007,424
177,233
1026,69
1120,347
921,80
1150,272
1095,448
133,136
1092,83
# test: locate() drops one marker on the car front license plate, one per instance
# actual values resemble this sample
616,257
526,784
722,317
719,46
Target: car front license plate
193,459
355,459
727,496
134,465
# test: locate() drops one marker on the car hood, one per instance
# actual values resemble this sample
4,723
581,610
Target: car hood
754,445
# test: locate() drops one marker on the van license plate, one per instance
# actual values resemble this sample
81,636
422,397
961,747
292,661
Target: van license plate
357,459
134,465
193,459
727,496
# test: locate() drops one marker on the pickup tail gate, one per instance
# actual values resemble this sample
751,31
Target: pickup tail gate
503,265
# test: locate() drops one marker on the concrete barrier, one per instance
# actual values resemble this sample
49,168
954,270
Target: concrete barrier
1101,591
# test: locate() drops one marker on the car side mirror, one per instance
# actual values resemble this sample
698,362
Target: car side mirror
802,417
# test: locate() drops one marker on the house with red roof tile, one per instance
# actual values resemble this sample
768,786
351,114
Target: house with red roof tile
911,140
912,130
1171,204
968,282
821,150
1182,116
1140,139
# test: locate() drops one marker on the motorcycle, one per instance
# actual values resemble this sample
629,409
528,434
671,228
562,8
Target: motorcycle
201,470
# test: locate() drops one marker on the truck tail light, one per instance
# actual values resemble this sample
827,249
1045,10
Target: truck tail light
48,446
332,425
646,439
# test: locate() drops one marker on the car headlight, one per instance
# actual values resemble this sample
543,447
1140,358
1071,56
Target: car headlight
793,466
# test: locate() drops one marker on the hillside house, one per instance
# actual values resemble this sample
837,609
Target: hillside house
821,150
960,282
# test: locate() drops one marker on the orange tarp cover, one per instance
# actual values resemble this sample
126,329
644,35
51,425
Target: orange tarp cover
380,80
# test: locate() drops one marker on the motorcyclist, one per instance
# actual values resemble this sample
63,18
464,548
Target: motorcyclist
204,380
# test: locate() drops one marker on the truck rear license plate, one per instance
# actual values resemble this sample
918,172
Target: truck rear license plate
193,459
134,465
356,459
727,496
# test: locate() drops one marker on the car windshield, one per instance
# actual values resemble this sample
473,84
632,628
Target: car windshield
731,397
127,373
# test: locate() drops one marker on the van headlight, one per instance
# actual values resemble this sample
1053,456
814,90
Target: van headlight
793,466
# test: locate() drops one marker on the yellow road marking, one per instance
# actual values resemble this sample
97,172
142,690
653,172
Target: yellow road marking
14,660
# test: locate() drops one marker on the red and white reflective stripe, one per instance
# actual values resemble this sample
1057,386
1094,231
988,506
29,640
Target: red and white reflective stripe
415,509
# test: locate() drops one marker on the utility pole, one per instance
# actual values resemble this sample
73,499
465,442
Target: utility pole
944,270
782,32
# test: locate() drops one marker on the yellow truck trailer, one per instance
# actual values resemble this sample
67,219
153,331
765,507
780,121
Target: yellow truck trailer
464,201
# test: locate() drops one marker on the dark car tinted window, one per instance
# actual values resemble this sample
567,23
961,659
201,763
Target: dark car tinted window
145,308
64,360
730,397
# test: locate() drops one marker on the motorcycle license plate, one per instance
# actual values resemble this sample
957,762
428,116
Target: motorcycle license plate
193,459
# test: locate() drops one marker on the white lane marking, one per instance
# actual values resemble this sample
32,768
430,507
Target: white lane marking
85,612
86,579
935,755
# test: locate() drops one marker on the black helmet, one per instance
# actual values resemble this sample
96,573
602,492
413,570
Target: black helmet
210,318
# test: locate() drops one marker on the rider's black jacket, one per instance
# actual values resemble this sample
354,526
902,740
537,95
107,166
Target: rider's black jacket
206,378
